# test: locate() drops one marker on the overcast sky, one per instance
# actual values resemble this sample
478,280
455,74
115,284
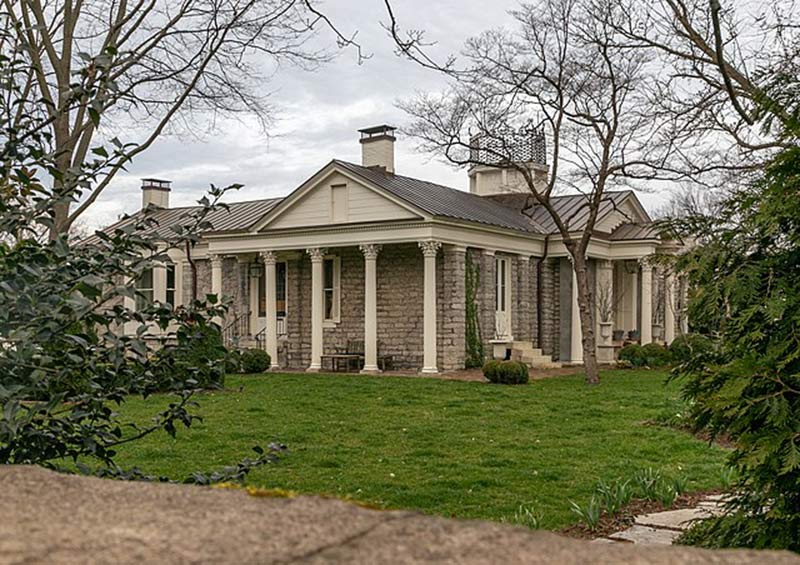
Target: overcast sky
317,114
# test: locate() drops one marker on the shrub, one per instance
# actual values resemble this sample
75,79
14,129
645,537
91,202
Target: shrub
687,346
632,353
254,361
741,530
656,355
506,372
490,369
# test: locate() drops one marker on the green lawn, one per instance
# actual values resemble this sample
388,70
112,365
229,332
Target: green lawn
452,448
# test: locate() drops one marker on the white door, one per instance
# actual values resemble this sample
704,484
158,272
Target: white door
502,286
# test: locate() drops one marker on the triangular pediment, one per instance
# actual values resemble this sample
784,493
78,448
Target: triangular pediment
627,211
333,196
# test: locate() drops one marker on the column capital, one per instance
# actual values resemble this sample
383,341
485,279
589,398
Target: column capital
317,254
605,264
268,257
524,256
370,250
430,248
216,259
488,252
645,263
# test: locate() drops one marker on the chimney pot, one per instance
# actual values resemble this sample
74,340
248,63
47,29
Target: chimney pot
155,192
377,147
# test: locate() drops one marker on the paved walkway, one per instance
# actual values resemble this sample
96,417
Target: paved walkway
661,528
54,518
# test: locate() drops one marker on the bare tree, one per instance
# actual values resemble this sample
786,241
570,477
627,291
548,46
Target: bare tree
728,90
564,69
150,65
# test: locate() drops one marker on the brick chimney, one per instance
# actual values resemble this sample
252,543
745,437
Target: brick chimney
155,192
377,147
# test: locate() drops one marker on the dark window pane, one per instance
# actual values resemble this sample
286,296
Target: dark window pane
328,278
328,304
145,280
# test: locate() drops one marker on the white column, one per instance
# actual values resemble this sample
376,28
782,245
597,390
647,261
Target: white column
647,303
160,283
254,305
317,256
684,290
576,341
429,250
669,308
271,332
370,252
630,298
216,281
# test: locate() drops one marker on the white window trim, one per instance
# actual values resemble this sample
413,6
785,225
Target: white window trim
337,292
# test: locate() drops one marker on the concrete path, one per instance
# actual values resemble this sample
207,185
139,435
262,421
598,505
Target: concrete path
661,528
54,518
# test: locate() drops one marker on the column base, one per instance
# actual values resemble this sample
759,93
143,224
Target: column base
274,368
314,368
370,370
429,370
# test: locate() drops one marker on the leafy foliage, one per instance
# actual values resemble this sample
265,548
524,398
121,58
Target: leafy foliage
74,345
747,292
474,344
506,372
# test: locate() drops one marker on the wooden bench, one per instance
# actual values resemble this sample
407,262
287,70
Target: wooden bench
353,353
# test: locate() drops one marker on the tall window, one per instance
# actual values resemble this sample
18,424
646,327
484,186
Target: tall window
280,292
501,284
170,294
146,291
280,289
330,288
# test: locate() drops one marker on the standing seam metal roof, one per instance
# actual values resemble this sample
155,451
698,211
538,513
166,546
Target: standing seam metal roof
434,199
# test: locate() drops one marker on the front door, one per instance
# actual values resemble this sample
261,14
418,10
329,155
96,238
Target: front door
502,278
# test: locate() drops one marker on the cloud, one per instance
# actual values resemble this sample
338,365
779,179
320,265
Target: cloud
318,113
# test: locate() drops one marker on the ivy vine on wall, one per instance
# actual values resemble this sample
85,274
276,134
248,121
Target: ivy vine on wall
474,343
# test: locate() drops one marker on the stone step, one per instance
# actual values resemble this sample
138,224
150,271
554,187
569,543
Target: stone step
674,519
646,535
521,355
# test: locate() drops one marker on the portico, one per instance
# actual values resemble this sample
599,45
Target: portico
361,258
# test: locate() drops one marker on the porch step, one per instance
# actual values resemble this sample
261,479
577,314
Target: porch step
525,352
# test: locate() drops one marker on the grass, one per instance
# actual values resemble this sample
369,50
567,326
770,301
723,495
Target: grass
463,449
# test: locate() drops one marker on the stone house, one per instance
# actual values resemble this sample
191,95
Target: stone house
361,252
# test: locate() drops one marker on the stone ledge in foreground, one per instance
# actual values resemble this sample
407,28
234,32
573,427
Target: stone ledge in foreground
56,518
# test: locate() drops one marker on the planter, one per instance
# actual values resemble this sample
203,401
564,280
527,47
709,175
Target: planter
658,332
634,335
618,335
605,332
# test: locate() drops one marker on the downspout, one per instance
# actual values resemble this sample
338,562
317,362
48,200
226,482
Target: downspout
540,293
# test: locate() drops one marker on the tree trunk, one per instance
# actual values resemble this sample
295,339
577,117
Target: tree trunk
589,340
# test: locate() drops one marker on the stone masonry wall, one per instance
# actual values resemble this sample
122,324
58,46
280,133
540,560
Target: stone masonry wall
550,308
451,315
400,271
486,298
